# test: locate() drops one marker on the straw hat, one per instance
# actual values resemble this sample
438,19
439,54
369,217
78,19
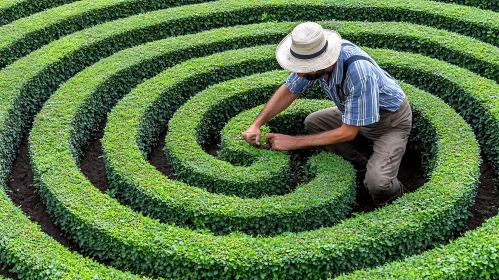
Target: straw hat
308,48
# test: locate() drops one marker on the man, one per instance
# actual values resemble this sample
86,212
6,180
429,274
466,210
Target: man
368,101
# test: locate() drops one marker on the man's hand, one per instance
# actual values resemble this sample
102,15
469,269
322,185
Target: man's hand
280,142
252,136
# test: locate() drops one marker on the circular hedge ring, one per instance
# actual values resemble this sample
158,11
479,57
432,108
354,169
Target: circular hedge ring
93,53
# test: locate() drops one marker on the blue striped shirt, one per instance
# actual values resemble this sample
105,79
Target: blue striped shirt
367,88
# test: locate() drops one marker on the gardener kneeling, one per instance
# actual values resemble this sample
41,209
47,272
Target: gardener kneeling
368,101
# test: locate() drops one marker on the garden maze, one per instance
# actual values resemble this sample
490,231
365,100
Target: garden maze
202,70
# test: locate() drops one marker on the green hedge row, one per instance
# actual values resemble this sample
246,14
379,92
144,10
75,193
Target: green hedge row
147,246
473,97
11,10
38,65
25,35
309,207
195,123
473,256
171,201
481,4
34,255
191,126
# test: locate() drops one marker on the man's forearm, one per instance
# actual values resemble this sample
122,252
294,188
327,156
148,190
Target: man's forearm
322,139
281,100
284,142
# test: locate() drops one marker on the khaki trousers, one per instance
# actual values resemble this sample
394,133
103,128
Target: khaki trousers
390,136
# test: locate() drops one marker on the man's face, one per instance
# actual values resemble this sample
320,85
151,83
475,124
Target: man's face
313,75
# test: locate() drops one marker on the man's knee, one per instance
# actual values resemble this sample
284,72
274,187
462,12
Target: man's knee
376,183
311,123
383,189
323,120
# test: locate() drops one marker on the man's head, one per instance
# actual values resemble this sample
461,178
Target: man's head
309,49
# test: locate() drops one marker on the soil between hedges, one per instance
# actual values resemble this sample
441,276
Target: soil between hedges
23,194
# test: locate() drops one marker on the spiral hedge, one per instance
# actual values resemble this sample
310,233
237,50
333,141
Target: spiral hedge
203,69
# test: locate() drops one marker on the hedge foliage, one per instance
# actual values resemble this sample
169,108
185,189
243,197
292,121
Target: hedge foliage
34,255
191,126
130,239
11,10
473,256
155,195
22,36
310,206
195,123
60,67
482,4
27,34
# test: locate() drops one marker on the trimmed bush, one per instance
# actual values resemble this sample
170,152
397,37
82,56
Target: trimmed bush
34,255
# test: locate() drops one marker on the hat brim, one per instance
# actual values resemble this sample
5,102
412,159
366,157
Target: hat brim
297,65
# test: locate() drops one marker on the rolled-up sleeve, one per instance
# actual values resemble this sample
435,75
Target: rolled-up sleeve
298,85
362,102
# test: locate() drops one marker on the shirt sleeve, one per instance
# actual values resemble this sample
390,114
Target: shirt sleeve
362,102
298,85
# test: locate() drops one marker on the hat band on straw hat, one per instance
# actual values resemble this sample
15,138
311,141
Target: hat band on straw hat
309,56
